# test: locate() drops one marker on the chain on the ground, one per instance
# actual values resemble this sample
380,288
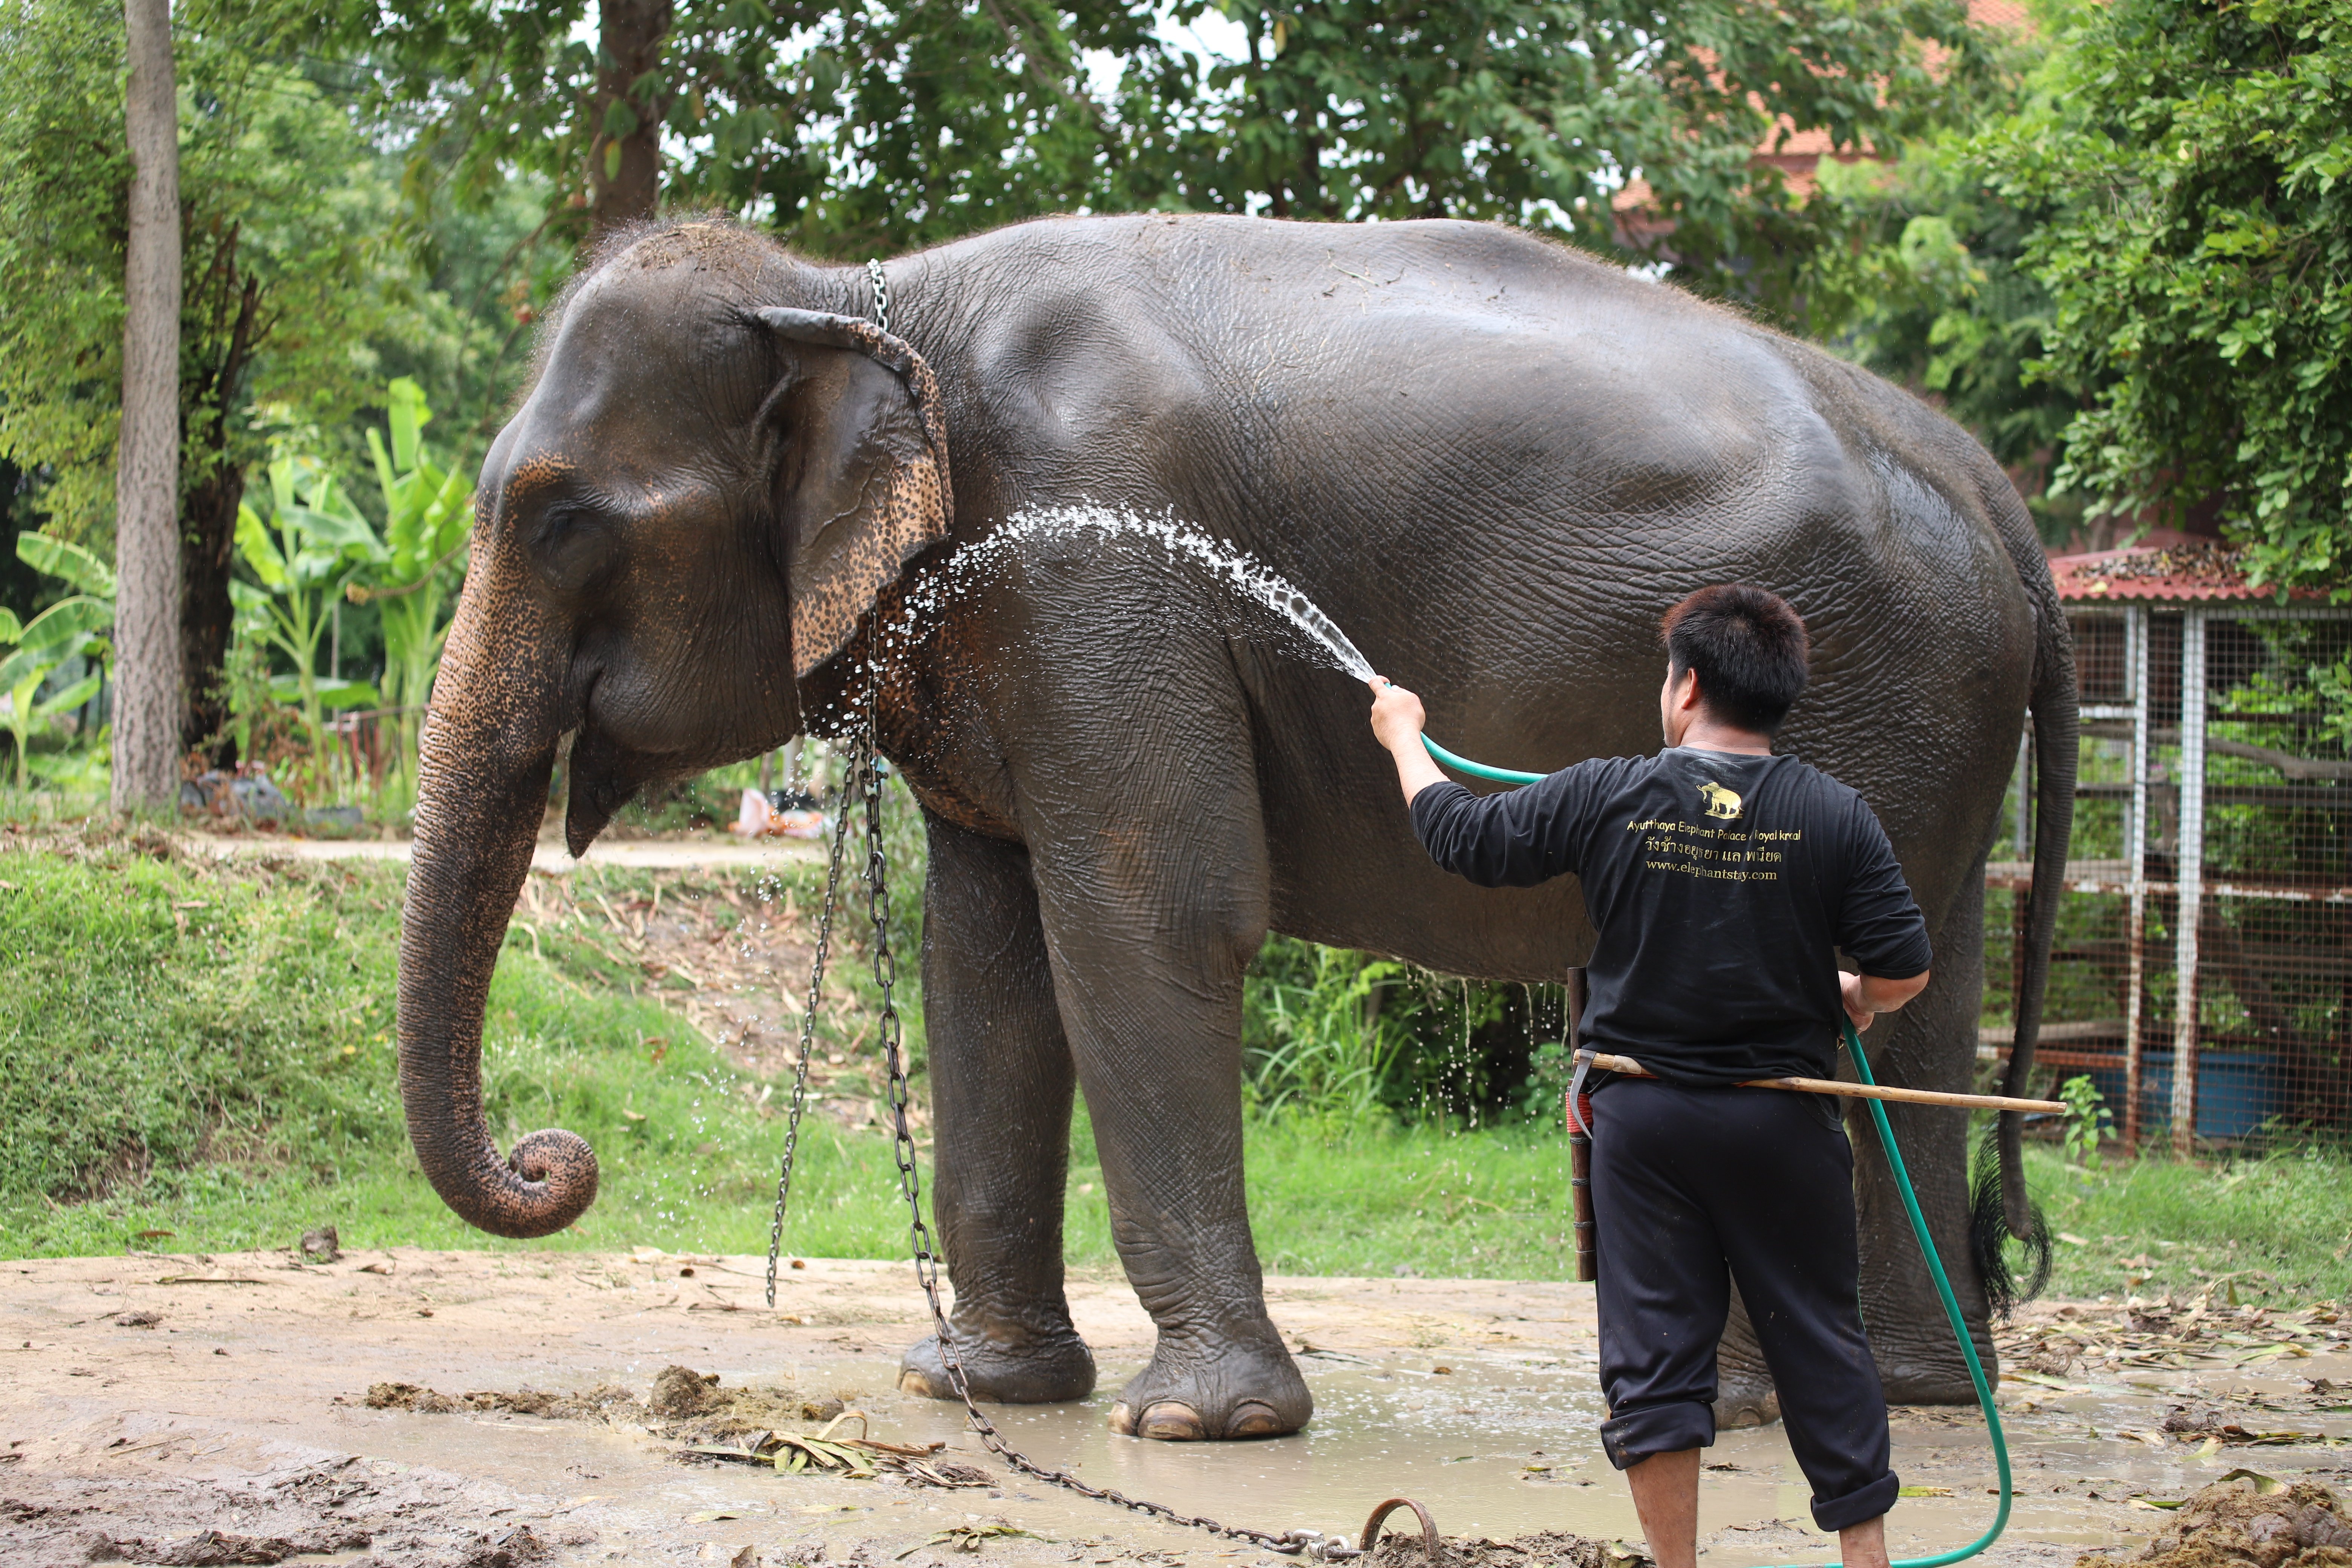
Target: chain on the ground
865,780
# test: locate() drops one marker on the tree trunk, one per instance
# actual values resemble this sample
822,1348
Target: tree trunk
625,158
208,512
208,541
147,452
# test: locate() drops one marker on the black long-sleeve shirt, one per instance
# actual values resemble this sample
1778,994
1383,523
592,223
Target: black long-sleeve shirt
1721,885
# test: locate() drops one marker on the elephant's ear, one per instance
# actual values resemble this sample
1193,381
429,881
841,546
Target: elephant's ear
861,474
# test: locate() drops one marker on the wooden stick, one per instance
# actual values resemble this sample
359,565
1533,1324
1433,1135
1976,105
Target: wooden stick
1632,1068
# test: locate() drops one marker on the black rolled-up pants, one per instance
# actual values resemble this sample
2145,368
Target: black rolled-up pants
1694,1187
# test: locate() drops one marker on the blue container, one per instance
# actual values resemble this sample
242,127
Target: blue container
2237,1092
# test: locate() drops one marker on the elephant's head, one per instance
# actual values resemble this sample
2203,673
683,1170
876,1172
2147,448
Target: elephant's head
690,513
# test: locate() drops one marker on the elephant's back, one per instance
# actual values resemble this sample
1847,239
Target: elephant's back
1494,462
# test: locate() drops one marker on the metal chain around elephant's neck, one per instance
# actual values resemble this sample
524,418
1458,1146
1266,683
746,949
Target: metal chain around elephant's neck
864,780
881,293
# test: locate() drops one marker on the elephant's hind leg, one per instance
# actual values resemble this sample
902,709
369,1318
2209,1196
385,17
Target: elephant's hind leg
1001,1084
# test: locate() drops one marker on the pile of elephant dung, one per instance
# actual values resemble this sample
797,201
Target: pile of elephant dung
1544,1549
684,1405
2245,1518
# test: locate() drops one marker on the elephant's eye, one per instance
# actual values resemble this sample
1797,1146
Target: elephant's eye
571,542
560,522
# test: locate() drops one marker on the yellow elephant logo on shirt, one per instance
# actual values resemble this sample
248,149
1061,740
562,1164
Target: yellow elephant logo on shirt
1720,802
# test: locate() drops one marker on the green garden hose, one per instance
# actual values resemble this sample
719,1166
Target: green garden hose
1951,1311
1910,1207
1476,770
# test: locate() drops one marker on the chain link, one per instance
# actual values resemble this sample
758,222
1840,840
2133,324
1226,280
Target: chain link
927,1272
865,779
840,793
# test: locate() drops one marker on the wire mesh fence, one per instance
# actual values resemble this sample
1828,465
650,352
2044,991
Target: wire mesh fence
2202,969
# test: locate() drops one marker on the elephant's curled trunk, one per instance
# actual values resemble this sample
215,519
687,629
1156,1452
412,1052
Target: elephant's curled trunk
476,824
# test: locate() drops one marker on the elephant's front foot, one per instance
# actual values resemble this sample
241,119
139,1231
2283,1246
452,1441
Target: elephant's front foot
1193,1394
1036,1370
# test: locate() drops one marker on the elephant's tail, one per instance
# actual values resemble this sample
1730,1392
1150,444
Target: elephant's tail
2054,733
1990,1230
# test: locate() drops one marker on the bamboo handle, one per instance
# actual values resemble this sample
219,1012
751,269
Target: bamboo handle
1632,1068
1580,1185
1579,1146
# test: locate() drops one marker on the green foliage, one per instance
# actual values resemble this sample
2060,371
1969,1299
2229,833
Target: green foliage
1317,1041
1335,1038
2088,1122
65,631
77,567
285,264
207,1050
428,514
853,131
313,543
1539,111
2199,258
1937,299
847,129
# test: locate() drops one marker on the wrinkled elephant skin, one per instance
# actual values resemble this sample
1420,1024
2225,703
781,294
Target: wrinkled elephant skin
1493,461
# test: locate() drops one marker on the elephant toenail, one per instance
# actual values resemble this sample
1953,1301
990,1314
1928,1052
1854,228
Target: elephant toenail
1251,1419
1122,1419
911,1381
1171,1421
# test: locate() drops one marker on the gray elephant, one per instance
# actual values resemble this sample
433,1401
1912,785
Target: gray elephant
1491,460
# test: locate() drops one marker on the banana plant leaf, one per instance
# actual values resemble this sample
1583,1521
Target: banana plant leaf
288,689
65,621
65,701
86,571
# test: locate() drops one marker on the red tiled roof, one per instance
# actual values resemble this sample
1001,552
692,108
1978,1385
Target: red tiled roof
2170,574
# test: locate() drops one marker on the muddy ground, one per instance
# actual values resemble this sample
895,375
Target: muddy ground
214,1409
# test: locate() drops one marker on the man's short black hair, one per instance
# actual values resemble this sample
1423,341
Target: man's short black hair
1748,647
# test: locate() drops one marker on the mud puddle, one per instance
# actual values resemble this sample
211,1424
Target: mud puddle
144,1401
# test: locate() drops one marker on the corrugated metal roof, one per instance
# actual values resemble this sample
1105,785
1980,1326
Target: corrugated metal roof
2179,574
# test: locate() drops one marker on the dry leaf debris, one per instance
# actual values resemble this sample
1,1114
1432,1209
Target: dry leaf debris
711,1423
2163,1331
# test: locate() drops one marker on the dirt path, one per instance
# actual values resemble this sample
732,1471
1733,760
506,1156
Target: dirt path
550,856
145,1400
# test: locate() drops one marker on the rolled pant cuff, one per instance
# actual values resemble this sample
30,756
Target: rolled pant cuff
1858,1507
1630,1436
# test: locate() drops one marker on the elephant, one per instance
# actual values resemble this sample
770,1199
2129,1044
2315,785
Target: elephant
1492,460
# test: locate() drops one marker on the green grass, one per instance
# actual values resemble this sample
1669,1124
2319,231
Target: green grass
198,1057
2273,1228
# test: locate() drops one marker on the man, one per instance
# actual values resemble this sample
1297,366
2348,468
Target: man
1721,879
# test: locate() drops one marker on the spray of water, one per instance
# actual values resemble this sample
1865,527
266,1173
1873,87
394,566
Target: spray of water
1180,542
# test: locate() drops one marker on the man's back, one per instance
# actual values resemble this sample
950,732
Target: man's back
1720,882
